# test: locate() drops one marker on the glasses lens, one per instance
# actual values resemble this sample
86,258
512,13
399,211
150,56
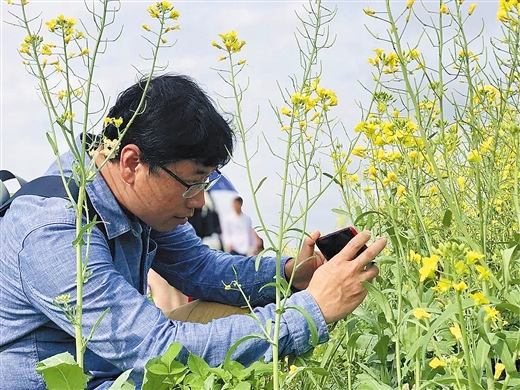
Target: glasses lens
194,190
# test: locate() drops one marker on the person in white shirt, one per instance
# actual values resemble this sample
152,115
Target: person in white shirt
237,231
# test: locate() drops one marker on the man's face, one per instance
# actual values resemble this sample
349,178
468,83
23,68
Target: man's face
159,200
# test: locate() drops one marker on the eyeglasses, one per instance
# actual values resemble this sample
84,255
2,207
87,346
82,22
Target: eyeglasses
195,188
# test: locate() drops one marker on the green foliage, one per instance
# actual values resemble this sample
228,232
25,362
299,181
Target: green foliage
164,372
61,372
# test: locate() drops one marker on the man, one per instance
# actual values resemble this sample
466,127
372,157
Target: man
237,231
145,195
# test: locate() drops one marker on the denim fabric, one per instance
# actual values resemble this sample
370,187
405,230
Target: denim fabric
38,263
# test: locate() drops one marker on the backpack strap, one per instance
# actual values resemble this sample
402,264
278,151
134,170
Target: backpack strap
4,192
51,187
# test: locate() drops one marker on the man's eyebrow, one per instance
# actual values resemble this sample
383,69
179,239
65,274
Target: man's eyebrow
202,172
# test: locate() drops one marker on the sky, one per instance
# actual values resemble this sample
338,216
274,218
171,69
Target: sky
272,57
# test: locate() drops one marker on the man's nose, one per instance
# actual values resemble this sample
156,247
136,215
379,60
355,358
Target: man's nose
197,201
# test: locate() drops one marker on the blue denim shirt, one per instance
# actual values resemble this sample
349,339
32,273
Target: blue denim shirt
38,263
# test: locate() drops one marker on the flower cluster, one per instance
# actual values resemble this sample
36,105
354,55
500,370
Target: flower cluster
164,12
308,108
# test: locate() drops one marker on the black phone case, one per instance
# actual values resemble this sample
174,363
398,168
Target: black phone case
332,243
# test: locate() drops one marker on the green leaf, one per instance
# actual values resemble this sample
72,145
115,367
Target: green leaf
260,184
340,212
198,366
508,255
122,382
260,256
237,343
500,347
170,355
243,386
158,369
53,144
367,382
312,326
381,348
382,301
61,372
446,220
482,356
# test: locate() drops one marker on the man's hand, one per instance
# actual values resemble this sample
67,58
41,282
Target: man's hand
336,286
308,261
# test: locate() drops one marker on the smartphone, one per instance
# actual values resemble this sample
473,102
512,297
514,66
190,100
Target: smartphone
332,243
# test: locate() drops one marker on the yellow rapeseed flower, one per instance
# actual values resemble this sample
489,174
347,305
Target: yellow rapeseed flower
484,273
400,191
286,111
443,285
429,267
455,331
436,363
46,50
479,298
492,313
392,177
461,268
461,182
369,12
444,9
499,368
473,256
421,313
472,8
359,151
502,14
410,3
474,156
241,62
460,286
415,257
145,26
118,122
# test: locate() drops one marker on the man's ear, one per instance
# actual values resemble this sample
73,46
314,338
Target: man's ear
129,161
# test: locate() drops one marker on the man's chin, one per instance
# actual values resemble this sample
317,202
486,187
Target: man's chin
171,224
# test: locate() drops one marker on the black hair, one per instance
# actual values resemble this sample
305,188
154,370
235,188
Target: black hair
178,121
239,200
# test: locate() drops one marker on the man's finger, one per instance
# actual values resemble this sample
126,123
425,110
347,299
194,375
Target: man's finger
352,248
365,259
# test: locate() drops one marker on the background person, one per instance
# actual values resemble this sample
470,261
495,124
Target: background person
238,235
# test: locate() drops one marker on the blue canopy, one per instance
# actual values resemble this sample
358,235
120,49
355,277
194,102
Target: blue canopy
223,184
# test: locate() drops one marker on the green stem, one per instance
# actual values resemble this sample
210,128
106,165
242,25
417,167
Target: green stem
465,344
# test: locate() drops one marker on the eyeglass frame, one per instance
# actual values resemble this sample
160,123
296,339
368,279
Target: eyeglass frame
202,186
